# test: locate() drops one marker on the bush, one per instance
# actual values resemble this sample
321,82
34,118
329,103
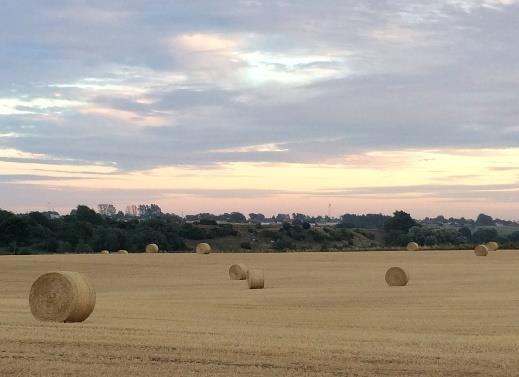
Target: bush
207,222
246,245
317,236
83,247
283,244
193,233
483,235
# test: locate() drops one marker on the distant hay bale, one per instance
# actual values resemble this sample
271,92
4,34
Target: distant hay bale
481,250
492,246
396,277
122,252
152,248
63,296
238,271
105,252
255,279
203,248
413,246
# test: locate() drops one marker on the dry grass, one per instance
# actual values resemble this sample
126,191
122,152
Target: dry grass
481,250
320,314
238,271
413,246
492,246
396,277
152,248
203,248
255,279
63,296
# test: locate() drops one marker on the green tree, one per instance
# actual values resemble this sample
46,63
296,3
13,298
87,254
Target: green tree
397,227
483,235
466,233
401,222
485,220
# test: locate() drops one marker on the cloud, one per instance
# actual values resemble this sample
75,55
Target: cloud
270,147
138,87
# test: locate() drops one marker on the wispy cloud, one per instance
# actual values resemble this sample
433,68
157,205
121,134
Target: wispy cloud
343,92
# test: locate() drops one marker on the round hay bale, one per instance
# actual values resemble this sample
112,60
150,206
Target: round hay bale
203,248
238,271
481,251
104,252
63,296
122,252
492,246
255,279
152,248
396,277
413,246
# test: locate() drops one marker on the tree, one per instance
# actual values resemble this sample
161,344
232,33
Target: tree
430,240
369,221
149,211
131,210
207,222
83,247
397,227
256,217
299,217
282,217
465,232
514,237
483,235
107,210
237,217
83,213
400,222
485,220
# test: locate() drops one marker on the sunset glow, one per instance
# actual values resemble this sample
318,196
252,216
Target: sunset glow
263,114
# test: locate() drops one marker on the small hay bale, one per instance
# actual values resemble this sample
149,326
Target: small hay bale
104,252
203,248
492,246
413,246
152,248
62,296
238,271
481,250
122,252
396,277
255,279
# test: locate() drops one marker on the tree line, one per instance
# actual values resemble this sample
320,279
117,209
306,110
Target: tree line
85,230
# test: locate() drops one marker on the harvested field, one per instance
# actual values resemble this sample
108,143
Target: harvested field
320,314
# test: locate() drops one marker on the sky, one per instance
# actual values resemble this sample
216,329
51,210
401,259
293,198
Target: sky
261,106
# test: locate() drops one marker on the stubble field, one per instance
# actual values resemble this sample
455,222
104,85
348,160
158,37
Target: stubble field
320,314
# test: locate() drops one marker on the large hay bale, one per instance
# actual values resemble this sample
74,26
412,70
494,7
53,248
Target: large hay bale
63,296
238,271
203,248
255,279
105,252
396,277
492,246
413,246
152,248
122,252
481,251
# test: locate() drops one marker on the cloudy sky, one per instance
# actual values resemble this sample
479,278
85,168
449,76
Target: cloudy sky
265,106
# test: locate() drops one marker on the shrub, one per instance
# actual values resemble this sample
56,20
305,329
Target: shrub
246,245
